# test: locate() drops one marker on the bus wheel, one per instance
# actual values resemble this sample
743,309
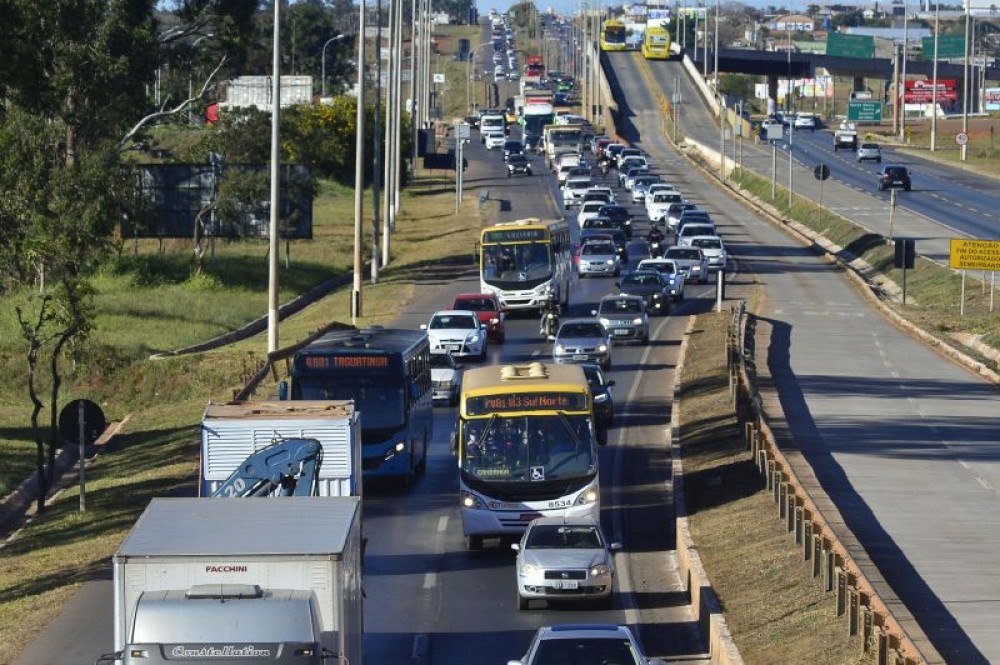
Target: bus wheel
422,465
474,543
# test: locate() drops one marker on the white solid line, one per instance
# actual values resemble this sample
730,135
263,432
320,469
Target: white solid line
442,523
430,580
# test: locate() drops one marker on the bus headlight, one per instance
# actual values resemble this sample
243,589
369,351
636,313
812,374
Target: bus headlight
600,569
590,496
471,501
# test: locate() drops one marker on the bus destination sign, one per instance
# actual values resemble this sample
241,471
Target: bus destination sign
515,235
365,362
541,401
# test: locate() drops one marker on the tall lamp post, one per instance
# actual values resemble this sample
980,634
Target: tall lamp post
965,84
272,266
902,84
335,38
468,73
359,168
934,92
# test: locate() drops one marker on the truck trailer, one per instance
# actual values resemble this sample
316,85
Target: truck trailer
233,431
269,582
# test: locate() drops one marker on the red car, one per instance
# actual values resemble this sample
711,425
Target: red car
487,307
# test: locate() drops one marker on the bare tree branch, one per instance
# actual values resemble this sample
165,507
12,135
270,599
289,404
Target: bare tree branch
163,111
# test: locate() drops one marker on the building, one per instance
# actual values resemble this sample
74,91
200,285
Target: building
792,23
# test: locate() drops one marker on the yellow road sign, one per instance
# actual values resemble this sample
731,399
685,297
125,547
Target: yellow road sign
974,254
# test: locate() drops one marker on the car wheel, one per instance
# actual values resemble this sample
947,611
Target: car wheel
618,272
522,602
482,354
474,543
878,160
509,174
907,188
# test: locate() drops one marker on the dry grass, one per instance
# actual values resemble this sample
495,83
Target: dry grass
775,610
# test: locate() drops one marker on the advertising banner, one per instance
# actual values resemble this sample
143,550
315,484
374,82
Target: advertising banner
991,99
922,92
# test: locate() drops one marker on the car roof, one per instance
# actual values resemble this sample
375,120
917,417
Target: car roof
577,630
581,520
453,312
620,296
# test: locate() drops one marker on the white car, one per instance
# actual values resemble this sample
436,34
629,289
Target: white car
607,191
494,140
446,378
457,332
711,246
585,643
806,121
660,187
574,190
588,210
659,203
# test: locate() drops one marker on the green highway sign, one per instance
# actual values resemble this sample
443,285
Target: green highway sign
850,46
864,111
949,46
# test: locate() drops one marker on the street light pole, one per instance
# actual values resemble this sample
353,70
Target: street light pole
272,265
715,67
965,86
359,169
934,92
906,51
323,59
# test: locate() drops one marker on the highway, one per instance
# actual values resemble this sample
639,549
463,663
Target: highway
946,202
902,440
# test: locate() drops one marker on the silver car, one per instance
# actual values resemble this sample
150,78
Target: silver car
870,151
598,258
582,643
624,317
582,341
564,558
691,261
711,247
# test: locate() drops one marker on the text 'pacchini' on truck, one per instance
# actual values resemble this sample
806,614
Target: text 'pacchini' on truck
270,582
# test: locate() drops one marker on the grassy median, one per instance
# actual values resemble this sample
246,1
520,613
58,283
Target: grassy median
776,611
157,454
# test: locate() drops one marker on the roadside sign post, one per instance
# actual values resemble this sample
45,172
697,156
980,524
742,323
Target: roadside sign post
774,167
821,173
969,254
905,251
864,111
962,139
892,211
83,421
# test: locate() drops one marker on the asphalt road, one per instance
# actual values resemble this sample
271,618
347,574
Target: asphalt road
945,202
906,443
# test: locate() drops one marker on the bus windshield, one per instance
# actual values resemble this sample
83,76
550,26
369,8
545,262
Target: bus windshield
380,400
614,34
523,265
528,448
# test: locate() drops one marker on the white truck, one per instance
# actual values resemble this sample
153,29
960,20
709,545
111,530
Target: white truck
845,137
232,432
492,124
274,581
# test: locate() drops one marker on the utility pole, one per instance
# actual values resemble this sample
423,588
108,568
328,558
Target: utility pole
377,143
414,36
901,88
791,138
965,86
273,231
359,170
934,92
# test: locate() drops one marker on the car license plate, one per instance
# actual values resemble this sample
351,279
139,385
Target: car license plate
580,356
621,332
454,347
566,584
527,517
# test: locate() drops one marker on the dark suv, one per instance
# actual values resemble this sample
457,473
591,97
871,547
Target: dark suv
890,177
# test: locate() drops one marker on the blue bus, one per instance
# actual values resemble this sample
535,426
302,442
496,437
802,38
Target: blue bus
388,375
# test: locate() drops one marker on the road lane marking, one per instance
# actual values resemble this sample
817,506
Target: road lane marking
430,580
442,523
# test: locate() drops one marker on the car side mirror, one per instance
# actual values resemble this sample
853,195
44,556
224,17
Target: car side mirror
423,326
611,382
516,547
614,547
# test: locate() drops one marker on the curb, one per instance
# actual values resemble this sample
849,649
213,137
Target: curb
701,595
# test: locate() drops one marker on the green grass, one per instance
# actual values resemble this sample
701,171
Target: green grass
777,613
935,289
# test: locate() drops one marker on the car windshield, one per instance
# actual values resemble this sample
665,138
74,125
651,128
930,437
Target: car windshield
688,217
621,306
528,448
869,146
380,398
522,263
707,243
578,184
663,267
695,229
453,321
475,304
585,651
564,537
684,253
591,206
582,329
442,361
896,172
517,159
598,249
640,280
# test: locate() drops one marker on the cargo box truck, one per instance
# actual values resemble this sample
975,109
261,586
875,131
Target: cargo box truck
276,581
233,431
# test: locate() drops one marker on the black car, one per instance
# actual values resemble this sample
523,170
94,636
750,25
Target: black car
560,99
532,143
649,285
512,147
600,392
518,165
619,215
893,177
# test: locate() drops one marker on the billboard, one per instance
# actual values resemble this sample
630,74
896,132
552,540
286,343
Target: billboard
922,92
850,46
991,99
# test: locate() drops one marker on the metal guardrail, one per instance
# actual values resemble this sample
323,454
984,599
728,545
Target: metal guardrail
867,614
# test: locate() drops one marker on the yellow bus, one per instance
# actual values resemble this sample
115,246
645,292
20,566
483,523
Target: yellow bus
527,448
656,43
523,261
613,35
